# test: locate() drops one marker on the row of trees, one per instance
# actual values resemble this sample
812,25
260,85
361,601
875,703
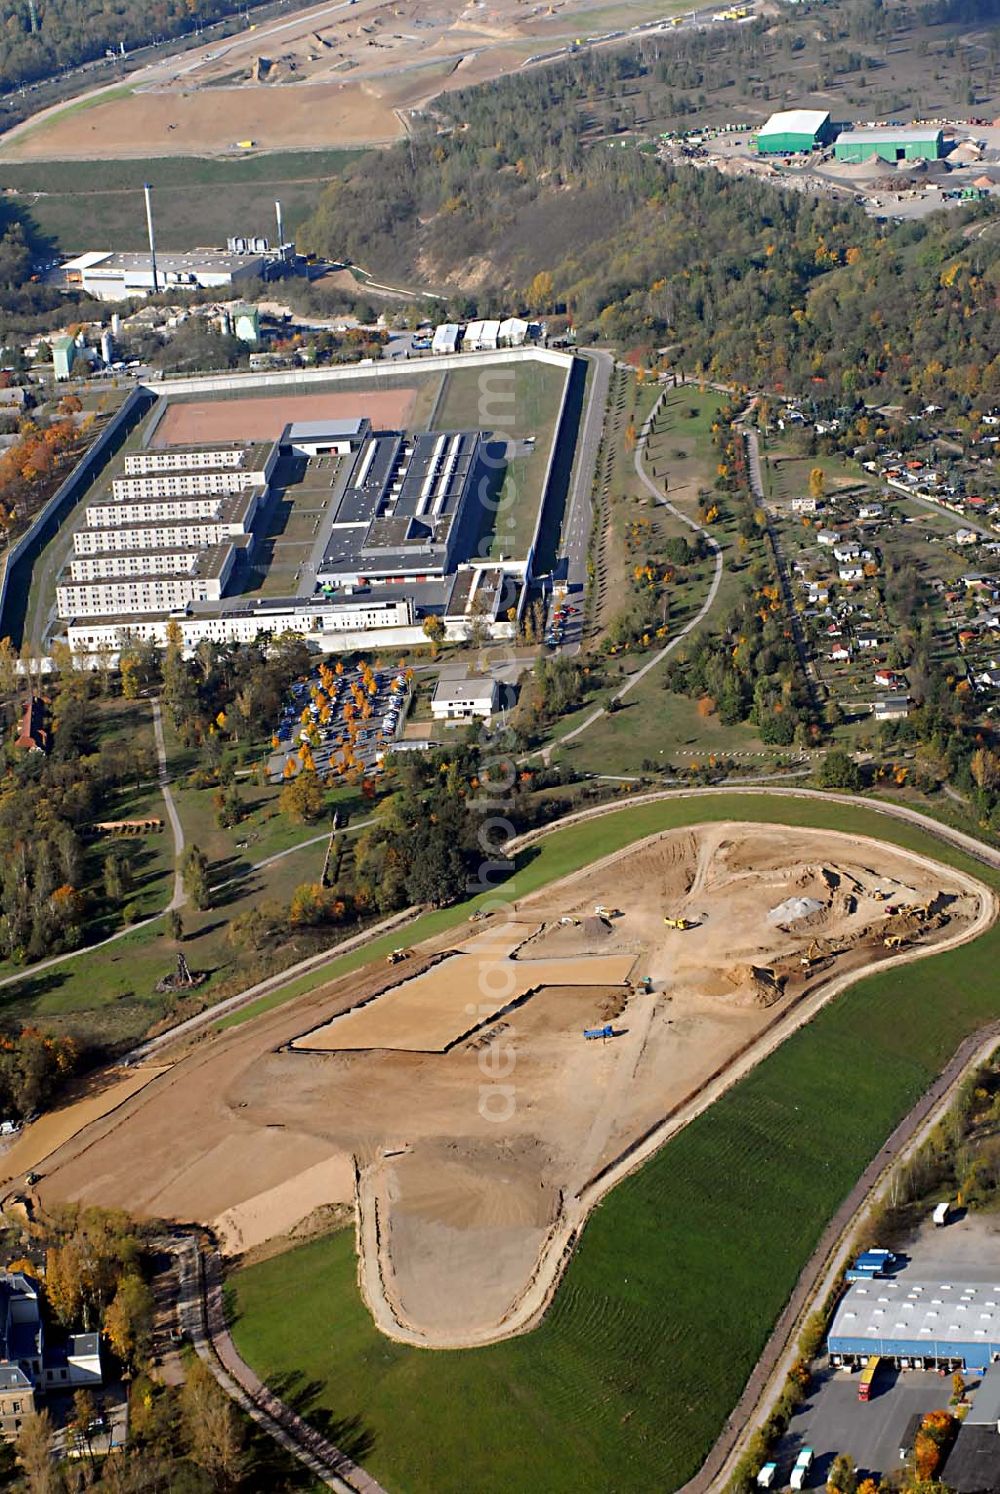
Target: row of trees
48,36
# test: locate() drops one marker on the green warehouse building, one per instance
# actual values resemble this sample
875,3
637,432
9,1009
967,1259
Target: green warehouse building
890,145
794,130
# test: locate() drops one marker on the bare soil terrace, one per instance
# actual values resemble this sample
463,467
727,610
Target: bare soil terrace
332,75
458,1086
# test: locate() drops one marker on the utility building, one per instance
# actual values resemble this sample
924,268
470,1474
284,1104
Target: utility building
794,130
889,145
918,1324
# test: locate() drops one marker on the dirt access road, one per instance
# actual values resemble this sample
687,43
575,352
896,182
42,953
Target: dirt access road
341,74
473,1201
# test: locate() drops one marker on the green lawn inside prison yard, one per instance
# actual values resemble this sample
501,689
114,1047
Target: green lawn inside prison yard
199,199
513,400
681,1271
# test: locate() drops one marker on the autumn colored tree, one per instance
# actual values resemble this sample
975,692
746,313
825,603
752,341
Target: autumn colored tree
817,483
434,631
128,1322
303,799
211,1429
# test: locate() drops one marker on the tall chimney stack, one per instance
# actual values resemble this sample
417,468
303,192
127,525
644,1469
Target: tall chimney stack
147,188
281,229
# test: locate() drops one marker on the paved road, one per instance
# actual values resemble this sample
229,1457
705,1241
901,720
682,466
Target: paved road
702,612
201,1315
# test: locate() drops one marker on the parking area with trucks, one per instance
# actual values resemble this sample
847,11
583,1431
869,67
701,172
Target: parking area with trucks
960,1256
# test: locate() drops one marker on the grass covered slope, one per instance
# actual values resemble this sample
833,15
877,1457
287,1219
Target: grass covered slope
682,1270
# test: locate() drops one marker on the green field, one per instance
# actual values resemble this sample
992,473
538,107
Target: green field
200,200
681,1271
514,400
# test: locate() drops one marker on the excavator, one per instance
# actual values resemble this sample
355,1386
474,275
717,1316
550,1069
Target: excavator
812,956
895,941
680,923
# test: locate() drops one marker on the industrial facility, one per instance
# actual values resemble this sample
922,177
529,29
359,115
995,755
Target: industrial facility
401,509
109,276
889,145
918,1324
174,528
794,130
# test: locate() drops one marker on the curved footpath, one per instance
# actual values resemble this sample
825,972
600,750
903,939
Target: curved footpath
201,1316
695,621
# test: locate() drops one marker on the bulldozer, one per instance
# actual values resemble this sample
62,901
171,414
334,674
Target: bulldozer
679,923
397,956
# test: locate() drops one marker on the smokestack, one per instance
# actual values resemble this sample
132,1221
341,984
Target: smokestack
281,229
152,238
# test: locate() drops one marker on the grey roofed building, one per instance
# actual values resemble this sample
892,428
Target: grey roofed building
313,437
464,698
985,1409
973,1465
402,509
932,1322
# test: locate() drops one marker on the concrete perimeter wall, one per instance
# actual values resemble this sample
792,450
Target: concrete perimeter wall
69,491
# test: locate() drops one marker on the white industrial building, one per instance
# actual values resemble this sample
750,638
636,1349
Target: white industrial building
193,536
460,700
171,510
445,339
109,276
173,484
482,337
310,438
155,563
512,332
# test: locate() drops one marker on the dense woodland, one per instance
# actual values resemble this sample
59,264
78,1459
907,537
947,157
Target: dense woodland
42,37
749,282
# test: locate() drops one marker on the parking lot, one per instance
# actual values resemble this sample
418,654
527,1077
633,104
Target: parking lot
346,719
833,1420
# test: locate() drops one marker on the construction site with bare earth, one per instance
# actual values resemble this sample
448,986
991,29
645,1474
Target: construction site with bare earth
472,1098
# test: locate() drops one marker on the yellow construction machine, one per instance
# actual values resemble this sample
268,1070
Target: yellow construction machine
679,923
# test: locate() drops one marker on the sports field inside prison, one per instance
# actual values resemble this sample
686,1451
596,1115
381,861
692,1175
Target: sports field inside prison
682,1269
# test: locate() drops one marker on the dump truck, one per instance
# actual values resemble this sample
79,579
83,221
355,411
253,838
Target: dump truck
397,956
603,912
679,923
606,1031
647,984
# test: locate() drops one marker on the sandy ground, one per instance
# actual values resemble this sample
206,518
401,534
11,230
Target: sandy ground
51,1130
335,76
196,421
472,1147
434,1010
